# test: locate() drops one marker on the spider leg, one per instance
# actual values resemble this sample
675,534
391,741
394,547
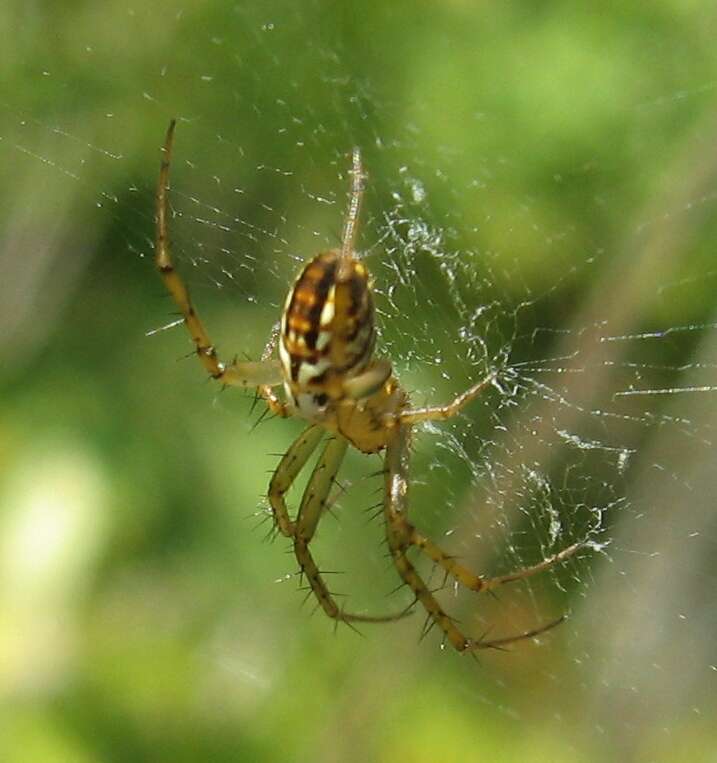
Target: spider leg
440,412
477,582
398,533
246,374
312,506
358,179
291,464
277,406
402,535
317,491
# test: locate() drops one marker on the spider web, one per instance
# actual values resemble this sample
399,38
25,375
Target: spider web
586,287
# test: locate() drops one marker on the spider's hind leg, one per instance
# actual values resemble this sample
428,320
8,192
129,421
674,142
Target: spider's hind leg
475,582
312,507
402,535
292,462
398,533
313,504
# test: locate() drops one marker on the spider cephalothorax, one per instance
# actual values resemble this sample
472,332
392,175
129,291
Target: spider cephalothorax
326,366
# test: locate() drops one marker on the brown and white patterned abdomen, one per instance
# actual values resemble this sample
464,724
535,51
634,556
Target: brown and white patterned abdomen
327,331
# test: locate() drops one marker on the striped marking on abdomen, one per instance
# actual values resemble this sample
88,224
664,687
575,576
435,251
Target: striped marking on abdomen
328,323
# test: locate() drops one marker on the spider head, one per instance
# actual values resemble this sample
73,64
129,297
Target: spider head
327,332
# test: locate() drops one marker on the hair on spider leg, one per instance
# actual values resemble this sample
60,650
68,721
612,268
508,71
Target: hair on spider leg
428,625
254,402
373,517
435,590
342,620
376,508
379,489
316,608
337,594
264,415
259,523
272,534
309,593
472,653
338,484
262,511
264,515
402,584
408,609
191,354
329,508
330,505
481,643
262,521
300,583
429,579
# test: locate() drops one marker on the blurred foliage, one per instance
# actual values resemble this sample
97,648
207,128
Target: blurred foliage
141,617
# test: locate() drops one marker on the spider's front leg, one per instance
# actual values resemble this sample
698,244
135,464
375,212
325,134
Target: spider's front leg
265,373
402,535
313,504
441,412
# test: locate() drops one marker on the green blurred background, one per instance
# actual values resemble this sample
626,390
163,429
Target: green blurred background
550,167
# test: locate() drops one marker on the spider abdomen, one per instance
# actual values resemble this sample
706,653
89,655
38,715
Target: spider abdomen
327,330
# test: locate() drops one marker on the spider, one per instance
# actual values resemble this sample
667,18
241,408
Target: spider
330,378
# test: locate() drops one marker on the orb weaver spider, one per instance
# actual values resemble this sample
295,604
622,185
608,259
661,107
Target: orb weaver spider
330,378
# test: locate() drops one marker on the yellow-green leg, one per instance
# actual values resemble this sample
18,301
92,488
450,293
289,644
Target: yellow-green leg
263,374
287,471
402,535
441,412
313,504
477,582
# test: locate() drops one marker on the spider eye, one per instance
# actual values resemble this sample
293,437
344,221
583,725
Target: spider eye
321,399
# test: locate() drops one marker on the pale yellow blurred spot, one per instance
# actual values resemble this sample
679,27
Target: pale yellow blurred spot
52,526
